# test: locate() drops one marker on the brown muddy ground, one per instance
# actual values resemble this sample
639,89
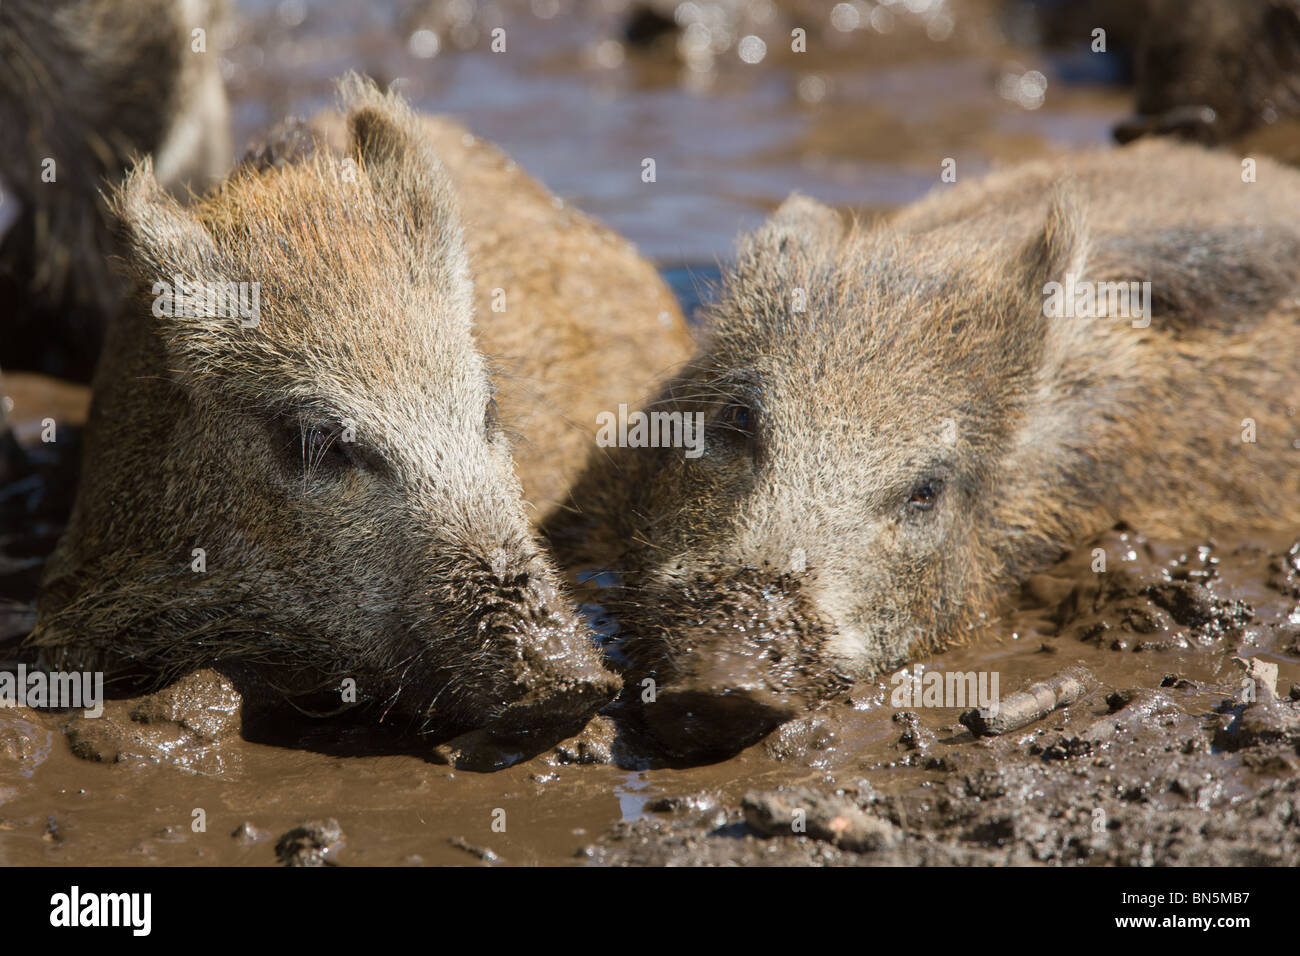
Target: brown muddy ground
1185,769
1172,756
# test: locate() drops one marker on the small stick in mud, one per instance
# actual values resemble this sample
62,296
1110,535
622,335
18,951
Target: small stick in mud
1026,706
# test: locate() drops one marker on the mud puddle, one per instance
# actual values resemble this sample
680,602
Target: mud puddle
1177,753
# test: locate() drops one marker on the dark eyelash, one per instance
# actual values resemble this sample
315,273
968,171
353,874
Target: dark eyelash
742,411
318,443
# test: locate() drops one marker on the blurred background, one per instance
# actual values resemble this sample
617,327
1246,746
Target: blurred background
712,90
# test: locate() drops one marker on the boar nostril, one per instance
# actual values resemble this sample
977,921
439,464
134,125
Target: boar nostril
696,724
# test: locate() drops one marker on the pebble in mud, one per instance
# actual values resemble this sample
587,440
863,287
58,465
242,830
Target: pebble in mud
204,703
677,803
809,734
248,834
595,744
1258,716
485,854
1284,574
915,735
827,817
1264,722
310,844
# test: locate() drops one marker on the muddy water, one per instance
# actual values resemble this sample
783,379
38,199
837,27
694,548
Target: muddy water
1193,770
864,122
863,119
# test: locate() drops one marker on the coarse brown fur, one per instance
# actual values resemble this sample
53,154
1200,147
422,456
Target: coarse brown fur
90,85
403,558
587,324
922,434
599,327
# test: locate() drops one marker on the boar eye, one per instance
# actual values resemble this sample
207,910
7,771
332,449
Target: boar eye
322,446
739,417
311,447
924,495
490,421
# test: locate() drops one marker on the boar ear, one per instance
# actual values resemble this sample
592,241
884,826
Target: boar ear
162,242
406,176
800,229
1061,247
158,238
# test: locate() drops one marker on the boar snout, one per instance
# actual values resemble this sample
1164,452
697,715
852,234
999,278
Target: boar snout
558,690
543,668
498,642
731,657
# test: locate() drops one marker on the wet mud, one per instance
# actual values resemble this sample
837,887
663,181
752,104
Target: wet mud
1181,745
1183,749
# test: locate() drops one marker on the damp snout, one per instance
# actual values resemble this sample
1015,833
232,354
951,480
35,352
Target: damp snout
570,698
731,656
556,678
